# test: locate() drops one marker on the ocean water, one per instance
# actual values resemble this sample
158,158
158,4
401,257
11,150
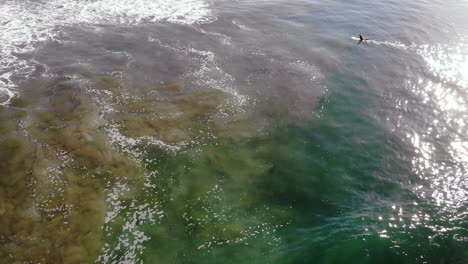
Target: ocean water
242,131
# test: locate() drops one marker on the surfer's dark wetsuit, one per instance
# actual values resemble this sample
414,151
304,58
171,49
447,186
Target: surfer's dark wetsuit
361,39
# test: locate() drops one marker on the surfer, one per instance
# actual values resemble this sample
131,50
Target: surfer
361,39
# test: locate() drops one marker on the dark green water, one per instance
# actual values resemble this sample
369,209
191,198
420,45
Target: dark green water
335,188
234,132
315,190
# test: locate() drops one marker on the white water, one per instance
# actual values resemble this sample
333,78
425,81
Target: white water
27,25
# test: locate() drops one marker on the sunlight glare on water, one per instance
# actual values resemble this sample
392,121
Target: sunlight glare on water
444,169
243,131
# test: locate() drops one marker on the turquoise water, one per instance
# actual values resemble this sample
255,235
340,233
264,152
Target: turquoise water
326,193
234,132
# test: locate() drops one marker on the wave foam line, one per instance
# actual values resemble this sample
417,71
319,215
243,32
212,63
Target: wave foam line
27,24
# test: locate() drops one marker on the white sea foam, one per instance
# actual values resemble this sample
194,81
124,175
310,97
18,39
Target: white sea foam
209,74
27,24
128,144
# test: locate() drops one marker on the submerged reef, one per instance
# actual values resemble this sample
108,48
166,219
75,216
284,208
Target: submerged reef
66,145
55,163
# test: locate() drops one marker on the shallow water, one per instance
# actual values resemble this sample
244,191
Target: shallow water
233,131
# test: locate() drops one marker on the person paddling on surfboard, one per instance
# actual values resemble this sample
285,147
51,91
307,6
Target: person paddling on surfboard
361,39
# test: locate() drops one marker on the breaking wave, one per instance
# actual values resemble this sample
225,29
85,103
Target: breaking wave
27,25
